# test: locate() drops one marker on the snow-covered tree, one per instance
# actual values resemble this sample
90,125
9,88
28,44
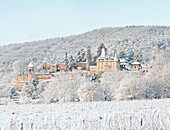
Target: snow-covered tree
91,92
129,89
71,62
94,58
29,93
33,80
7,91
159,75
111,80
94,78
121,54
63,87
130,56
81,56
139,57
39,68
65,61
19,67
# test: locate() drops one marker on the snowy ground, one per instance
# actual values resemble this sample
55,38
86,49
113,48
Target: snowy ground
149,114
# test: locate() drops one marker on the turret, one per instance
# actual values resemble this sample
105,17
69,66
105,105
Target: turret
116,60
30,70
103,53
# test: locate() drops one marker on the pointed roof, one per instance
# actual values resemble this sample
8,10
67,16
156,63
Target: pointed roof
115,59
103,53
31,65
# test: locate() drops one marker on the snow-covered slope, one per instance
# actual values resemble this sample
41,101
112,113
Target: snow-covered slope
143,114
137,39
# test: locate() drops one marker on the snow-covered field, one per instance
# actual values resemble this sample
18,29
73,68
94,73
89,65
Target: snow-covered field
151,114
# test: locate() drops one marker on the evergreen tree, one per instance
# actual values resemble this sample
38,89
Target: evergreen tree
66,61
139,57
99,49
71,62
88,57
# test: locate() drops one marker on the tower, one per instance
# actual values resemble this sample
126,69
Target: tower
30,70
117,64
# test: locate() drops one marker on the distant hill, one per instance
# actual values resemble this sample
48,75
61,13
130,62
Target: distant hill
130,40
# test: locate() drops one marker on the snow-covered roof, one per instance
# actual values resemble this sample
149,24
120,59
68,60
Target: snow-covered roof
123,63
93,66
82,62
22,81
136,63
46,80
31,65
107,59
123,60
128,67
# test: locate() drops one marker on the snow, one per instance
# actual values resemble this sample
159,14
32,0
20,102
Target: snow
143,114
128,67
103,53
30,65
115,59
123,61
92,66
136,63
82,62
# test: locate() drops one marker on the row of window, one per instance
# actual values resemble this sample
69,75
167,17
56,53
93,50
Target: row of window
103,68
106,64
93,69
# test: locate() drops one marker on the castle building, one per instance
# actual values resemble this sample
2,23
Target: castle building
102,64
54,67
30,70
105,63
25,78
136,66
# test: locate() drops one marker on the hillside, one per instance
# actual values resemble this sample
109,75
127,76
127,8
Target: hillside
130,40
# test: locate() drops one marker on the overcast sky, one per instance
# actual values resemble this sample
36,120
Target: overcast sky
29,20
